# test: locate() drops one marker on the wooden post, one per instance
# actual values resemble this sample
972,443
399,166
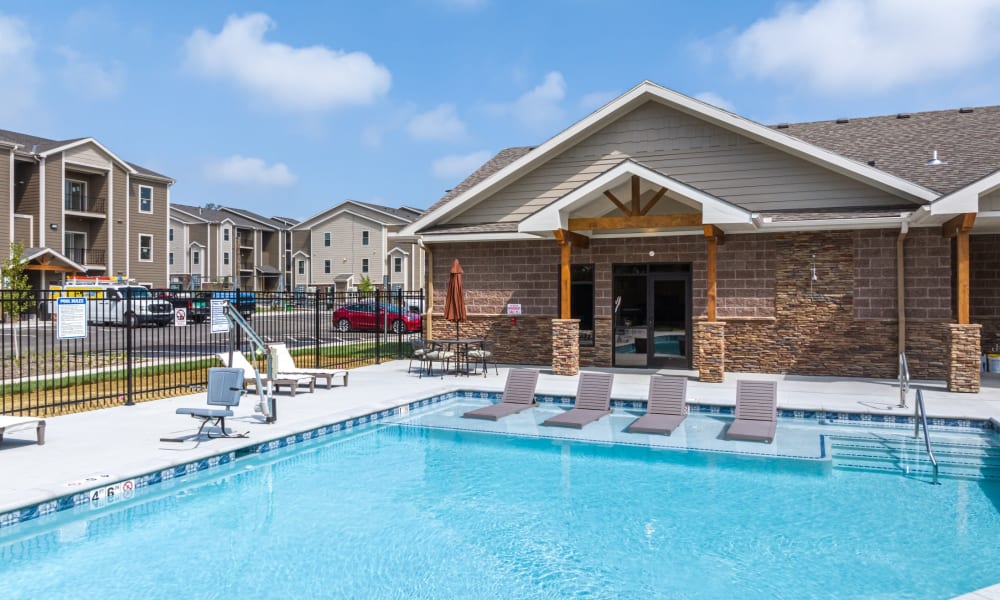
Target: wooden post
962,251
429,300
564,279
714,236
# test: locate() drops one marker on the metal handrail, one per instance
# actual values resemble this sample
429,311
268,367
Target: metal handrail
904,379
266,398
920,416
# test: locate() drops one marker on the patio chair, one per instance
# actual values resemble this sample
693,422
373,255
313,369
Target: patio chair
593,401
756,411
418,353
665,406
225,388
284,363
12,424
291,380
483,355
518,395
437,352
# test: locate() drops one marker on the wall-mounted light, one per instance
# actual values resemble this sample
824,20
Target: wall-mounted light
53,226
814,277
935,161
652,253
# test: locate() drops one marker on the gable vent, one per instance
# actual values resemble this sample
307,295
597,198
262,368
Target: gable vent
843,121
903,116
966,110
782,125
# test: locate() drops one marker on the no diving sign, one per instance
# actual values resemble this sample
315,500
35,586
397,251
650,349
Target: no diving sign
180,317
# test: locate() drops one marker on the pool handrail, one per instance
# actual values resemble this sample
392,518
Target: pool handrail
920,416
904,379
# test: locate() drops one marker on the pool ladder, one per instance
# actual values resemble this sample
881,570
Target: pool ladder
904,379
919,411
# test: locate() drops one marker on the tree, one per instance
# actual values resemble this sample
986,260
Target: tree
16,295
365,286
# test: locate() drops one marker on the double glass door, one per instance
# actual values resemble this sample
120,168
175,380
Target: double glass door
652,315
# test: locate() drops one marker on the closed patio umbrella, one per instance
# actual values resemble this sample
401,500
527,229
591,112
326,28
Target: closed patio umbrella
454,301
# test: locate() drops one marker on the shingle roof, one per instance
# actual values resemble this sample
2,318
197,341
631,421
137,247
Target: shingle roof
31,144
402,213
968,142
499,161
214,216
267,221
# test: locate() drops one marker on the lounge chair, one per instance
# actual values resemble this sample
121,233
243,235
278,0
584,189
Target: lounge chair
593,401
284,363
291,380
518,395
225,388
665,407
12,424
756,411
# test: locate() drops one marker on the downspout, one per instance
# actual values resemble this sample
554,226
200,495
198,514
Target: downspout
429,301
901,286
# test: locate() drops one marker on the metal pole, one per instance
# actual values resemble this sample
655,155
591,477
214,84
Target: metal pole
378,329
316,327
129,368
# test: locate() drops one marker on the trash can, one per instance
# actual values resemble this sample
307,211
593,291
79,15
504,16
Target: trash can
994,362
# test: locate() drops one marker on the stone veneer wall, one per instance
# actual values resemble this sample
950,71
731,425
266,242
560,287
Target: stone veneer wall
710,349
777,319
565,346
963,363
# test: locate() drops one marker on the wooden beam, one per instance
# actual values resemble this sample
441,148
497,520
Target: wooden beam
652,201
635,196
617,202
958,224
713,232
646,222
711,278
962,256
578,240
564,279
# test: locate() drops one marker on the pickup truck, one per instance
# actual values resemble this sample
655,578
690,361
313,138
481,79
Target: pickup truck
199,306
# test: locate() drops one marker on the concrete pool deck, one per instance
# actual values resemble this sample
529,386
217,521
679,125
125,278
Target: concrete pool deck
122,442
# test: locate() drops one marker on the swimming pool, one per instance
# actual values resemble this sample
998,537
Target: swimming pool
401,510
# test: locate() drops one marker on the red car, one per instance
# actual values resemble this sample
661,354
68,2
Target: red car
371,316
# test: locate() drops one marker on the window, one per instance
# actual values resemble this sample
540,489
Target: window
326,266
581,307
302,267
145,199
225,258
145,248
364,265
364,238
170,234
326,238
397,265
170,258
225,234
196,258
76,195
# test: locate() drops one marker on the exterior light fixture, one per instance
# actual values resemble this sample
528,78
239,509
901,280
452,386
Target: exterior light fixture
53,226
935,161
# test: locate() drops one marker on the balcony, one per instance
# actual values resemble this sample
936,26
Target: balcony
87,205
90,257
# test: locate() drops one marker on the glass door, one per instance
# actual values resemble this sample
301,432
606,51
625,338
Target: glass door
652,316
669,321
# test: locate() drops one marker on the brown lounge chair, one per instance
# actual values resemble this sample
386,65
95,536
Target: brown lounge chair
518,395
665,408
756,411
593,401
12,424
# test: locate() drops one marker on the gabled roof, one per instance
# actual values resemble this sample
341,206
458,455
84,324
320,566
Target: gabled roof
647,92
266,222
386,215
211,215
30,254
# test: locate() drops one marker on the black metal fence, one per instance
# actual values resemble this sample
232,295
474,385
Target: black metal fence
89,347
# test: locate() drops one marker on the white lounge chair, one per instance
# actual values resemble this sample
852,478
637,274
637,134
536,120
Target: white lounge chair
291,380
284,363
12,424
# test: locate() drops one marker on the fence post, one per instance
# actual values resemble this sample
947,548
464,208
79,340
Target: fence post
316,327
129,361
378,327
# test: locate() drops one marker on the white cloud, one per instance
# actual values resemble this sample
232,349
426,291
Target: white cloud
90,79
852,46
595,100
441,123
249,171
18,72
459,166
313,78
541,107
715,100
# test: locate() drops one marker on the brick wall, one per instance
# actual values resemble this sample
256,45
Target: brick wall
984,287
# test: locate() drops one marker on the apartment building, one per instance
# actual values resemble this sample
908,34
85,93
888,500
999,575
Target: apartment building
339,246
77,208
225,246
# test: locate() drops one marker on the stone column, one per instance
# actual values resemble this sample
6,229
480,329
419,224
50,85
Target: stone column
565,346
963,358
710,344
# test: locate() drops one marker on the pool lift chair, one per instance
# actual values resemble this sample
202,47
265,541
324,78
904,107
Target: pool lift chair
225,385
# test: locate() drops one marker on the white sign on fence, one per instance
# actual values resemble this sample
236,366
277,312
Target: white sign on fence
71,318
180,317
220,324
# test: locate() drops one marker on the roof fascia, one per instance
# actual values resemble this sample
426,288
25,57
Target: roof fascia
966,199
131,170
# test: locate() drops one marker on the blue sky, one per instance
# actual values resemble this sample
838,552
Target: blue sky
287,108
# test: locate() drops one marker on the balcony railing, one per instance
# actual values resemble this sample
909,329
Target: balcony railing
88,204
86,256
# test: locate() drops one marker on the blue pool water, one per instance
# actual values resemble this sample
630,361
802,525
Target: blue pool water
399,511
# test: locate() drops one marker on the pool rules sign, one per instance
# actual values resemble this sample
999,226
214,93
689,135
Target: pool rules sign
71,318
